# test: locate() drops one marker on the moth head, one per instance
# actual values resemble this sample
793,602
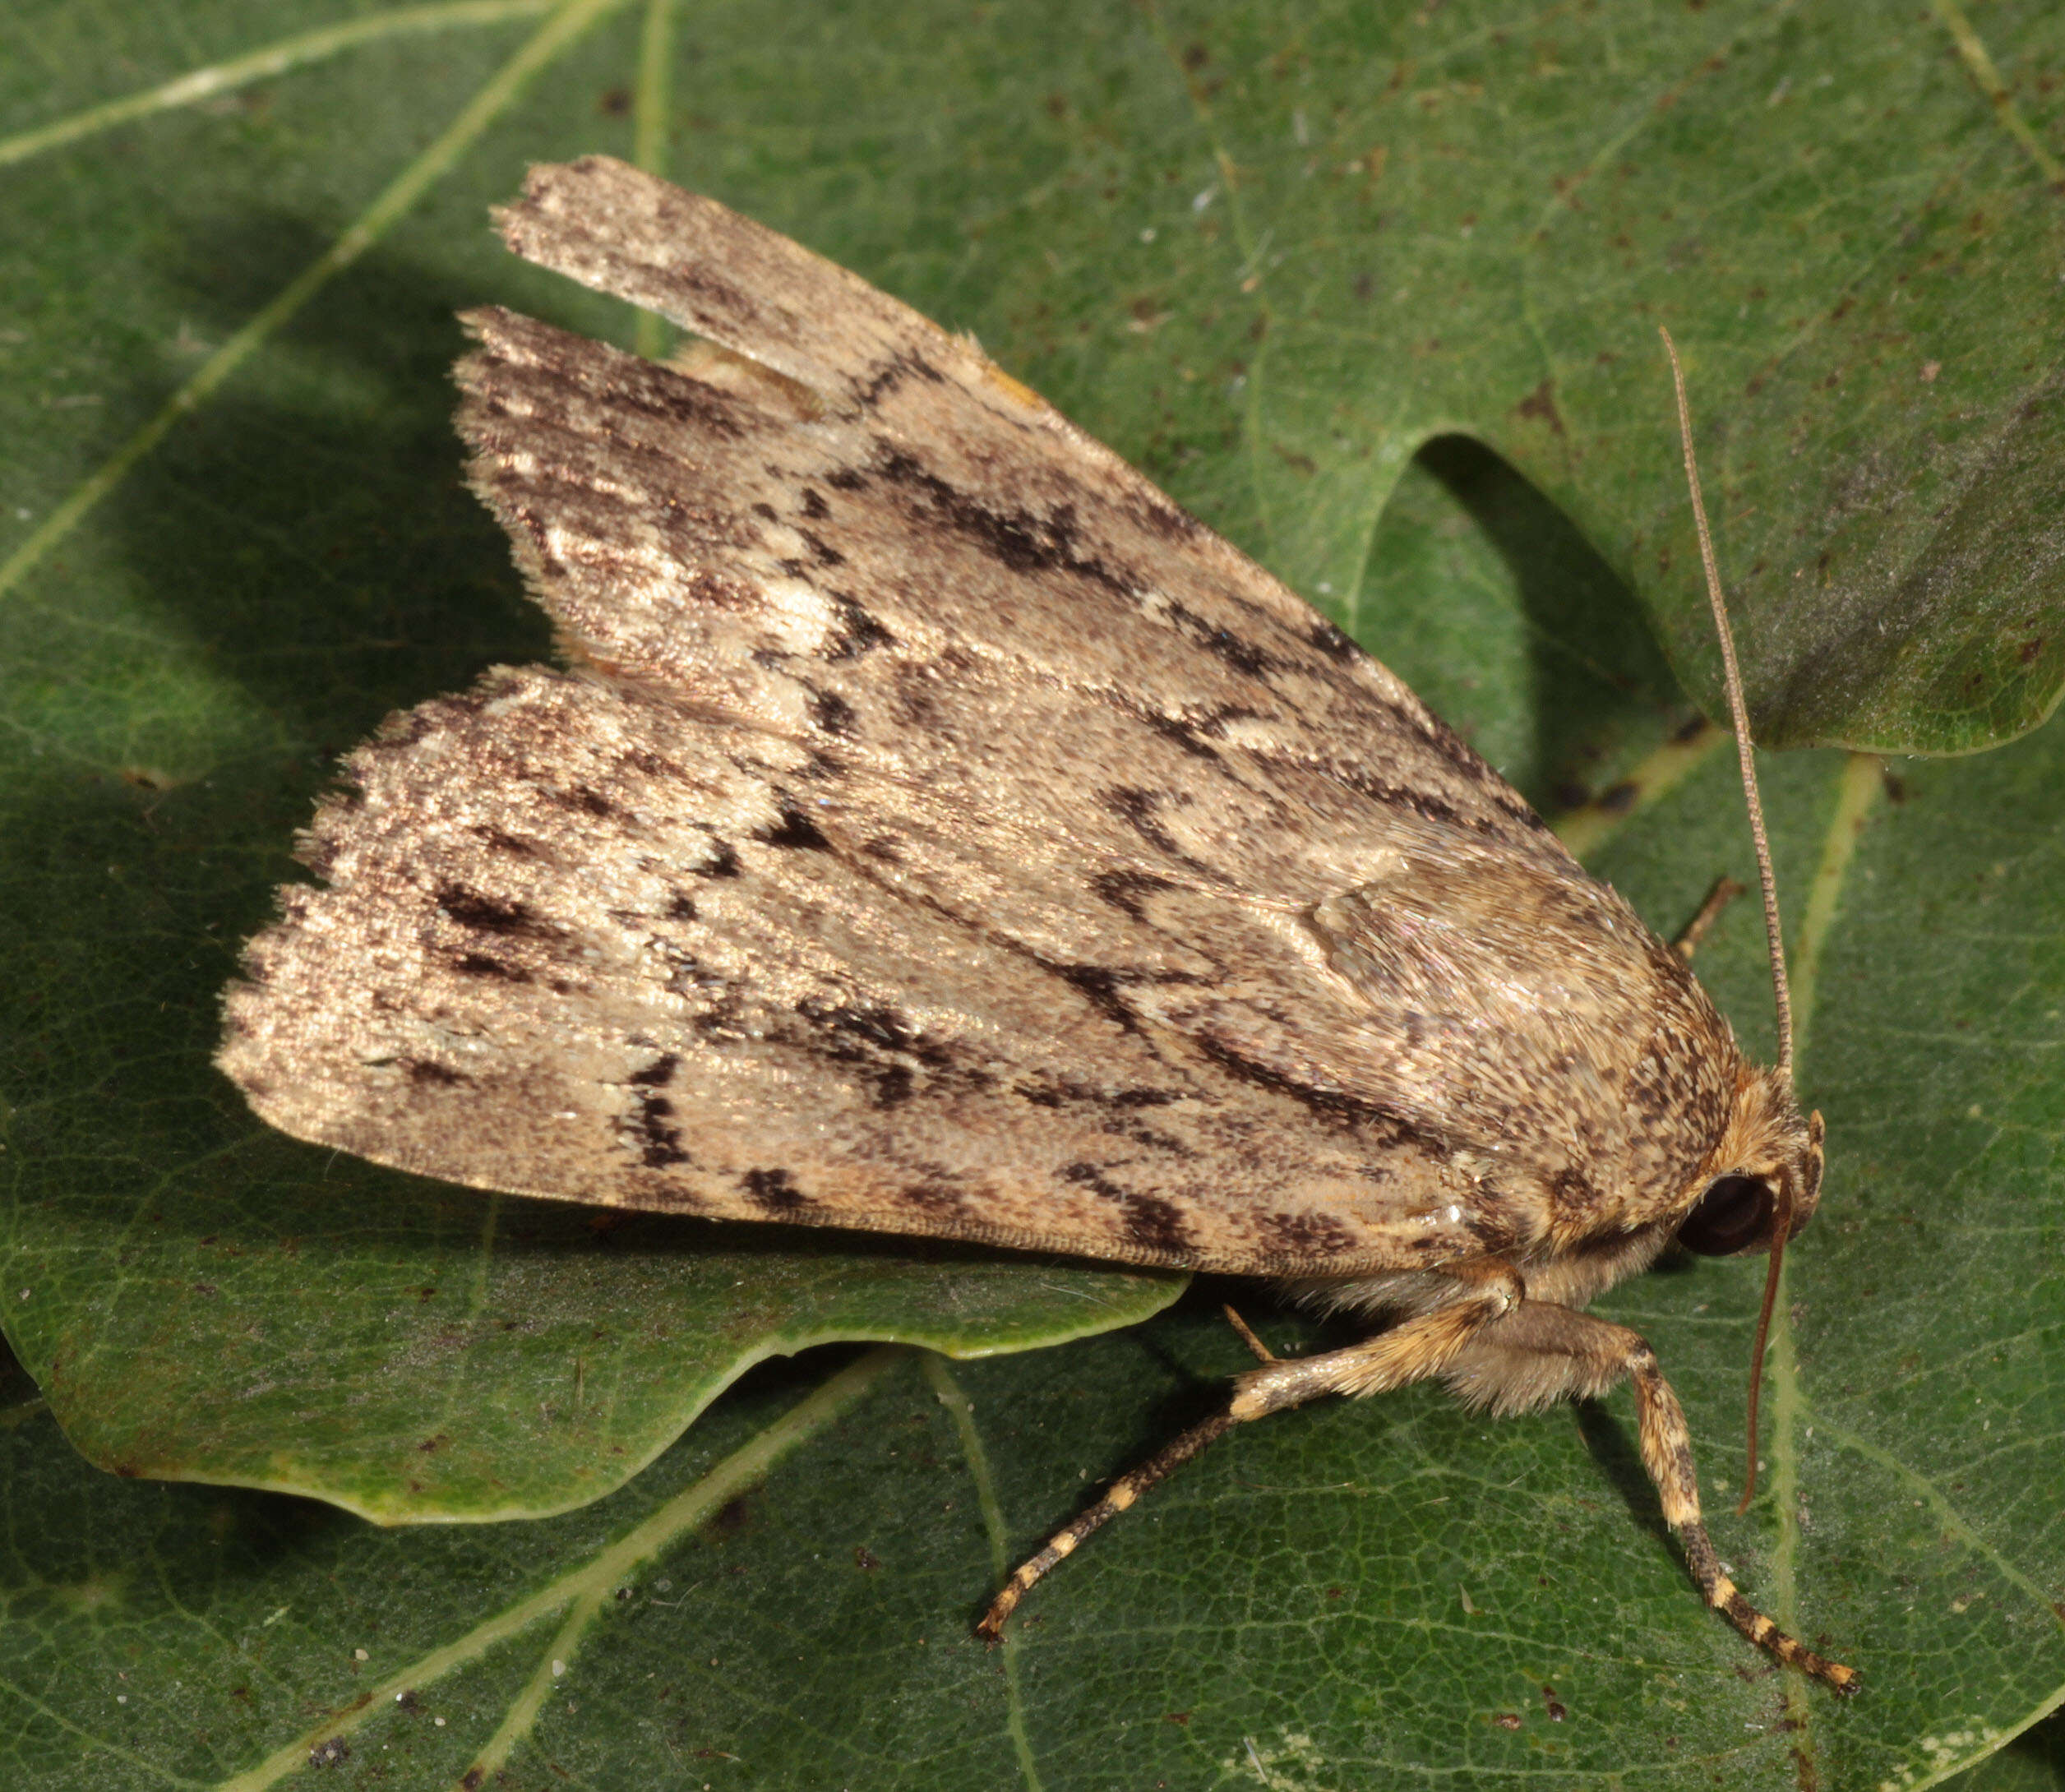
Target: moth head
1759,1186
1765,1173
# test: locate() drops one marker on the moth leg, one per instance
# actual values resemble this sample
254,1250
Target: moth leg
1539,1354
1245,1334
1409,1352
1725,891
1117,1497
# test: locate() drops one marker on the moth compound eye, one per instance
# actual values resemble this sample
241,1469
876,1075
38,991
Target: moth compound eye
1734,1214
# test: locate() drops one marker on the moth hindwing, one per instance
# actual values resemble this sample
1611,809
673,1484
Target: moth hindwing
935,830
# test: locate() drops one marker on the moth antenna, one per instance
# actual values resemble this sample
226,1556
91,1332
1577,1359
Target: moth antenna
1739,713
1782,1223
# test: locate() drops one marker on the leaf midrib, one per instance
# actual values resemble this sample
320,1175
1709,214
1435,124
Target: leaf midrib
588,1586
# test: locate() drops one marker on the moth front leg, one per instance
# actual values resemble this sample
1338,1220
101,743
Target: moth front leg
1725,891
1496,1350
1538,1354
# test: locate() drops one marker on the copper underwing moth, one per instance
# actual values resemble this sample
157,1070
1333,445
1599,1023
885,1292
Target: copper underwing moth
935,830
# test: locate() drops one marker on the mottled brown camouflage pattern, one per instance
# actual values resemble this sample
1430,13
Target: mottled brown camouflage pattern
938,832
941,833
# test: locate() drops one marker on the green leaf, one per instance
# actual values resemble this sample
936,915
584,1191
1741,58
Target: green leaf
244,540
2033,1762
418,1355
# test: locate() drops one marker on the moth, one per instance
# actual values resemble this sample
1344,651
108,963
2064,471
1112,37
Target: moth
935,830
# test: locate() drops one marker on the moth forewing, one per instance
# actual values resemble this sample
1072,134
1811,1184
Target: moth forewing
940,833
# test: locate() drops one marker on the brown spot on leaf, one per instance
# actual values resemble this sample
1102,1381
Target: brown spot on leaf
1541,404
